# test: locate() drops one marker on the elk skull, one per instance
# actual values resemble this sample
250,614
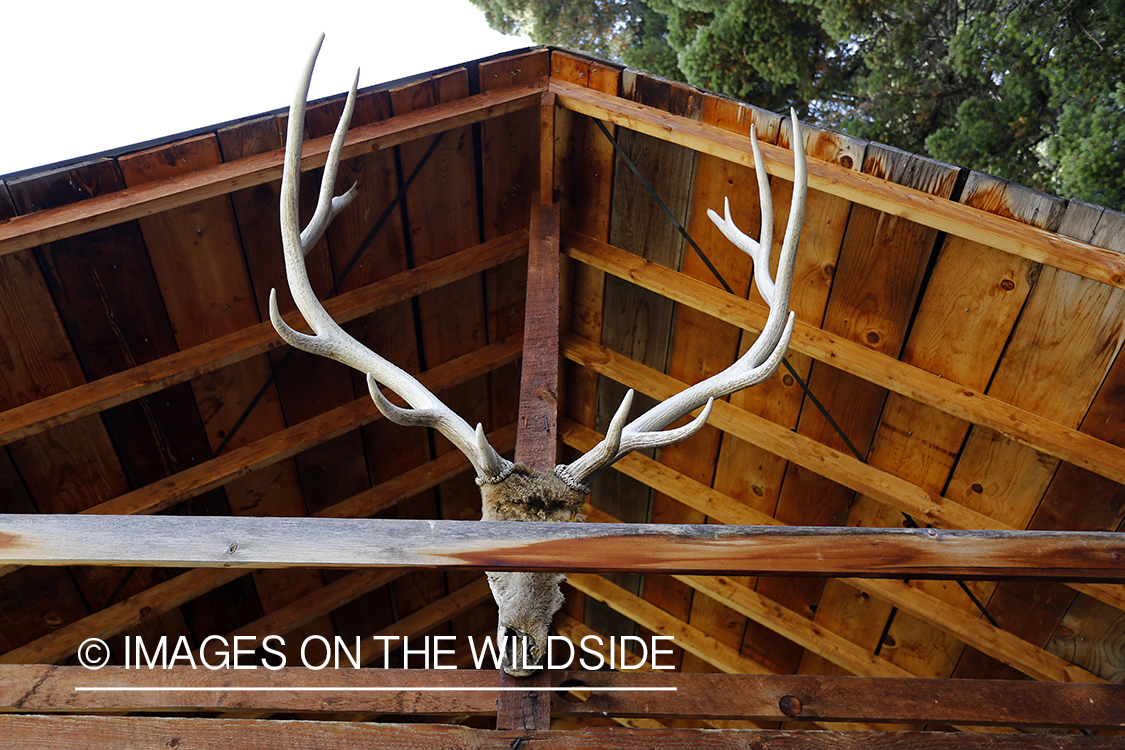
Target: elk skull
510,491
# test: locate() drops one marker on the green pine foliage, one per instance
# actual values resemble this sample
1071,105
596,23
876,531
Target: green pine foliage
1030,90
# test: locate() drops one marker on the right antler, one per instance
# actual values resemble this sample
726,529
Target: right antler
758,364
329,340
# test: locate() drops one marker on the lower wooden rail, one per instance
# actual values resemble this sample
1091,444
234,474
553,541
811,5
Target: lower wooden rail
114,732
704,549
41,688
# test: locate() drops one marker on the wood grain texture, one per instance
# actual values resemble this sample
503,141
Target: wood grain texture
35,688
48,226
258,542
97,732
1010,236
536,445
83,400
936,390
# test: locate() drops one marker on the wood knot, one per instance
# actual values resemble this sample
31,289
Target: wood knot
790,705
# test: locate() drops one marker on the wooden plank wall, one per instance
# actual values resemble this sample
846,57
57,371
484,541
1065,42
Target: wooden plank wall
103,302
966,320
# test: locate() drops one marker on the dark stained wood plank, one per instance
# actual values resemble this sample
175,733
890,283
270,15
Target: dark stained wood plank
33,601
197,259
96,732
451,321
509,148
283,444
109,304
584,178
27,231
82,400
770,697
536,445
188,586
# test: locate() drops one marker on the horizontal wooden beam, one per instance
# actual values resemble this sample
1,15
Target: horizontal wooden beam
706,549
132,203
962,402
288,442
44,688
164,596
114,732
958,219
842,468
811,454
128,385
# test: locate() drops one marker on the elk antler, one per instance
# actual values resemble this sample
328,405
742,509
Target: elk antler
329,340
756,365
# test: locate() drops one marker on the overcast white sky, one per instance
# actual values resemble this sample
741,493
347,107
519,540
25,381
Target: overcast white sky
84,76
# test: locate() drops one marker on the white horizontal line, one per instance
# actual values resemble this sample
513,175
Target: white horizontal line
279,689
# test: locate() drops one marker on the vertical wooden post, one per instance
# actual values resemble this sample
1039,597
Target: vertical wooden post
537,436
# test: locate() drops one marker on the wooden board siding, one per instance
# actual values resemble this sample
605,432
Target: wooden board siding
107,297
961,344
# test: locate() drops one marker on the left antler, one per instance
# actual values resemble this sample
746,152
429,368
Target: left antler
758,364
330,340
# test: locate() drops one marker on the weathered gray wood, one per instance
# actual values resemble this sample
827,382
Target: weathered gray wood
708,549
113,732
1024,703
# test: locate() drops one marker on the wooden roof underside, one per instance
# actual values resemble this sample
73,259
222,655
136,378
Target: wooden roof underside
963,332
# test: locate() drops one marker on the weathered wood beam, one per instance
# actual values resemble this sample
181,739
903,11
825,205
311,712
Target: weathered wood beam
286,443
974,406
152,602
967,627
96,213
128,385
114,732
804,451
234,542
42,688
1002,233
843,469
537,439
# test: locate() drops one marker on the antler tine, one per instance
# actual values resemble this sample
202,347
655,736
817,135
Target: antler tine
755,366
329,339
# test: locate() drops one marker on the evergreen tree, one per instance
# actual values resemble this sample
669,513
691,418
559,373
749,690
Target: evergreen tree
1030,90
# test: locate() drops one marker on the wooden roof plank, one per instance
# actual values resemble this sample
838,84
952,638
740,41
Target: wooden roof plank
188,586
941,393
918,442
1002,478
1010,236
701,345
1075,498
509,151
31,230
877,280
197,259
745,470
82,400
